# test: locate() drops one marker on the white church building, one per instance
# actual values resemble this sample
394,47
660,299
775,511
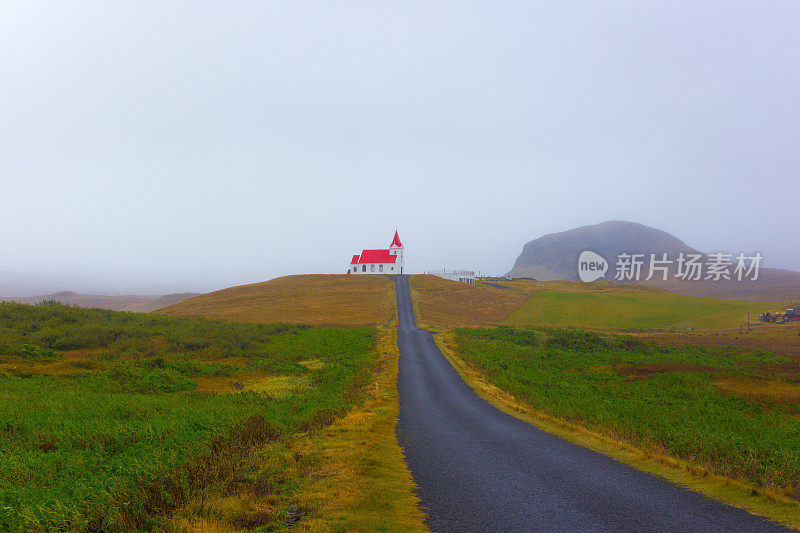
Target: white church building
388,261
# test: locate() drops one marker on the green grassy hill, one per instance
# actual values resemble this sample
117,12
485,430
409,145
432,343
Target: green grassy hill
634,310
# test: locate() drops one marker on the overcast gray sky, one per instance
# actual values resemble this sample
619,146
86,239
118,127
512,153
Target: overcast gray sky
165,146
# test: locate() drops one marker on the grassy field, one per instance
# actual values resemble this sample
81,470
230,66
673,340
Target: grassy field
735,413
118,420
782,339
349,476
319,300
441,303
633,310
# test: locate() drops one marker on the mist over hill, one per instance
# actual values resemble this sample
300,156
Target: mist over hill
555,257
129,302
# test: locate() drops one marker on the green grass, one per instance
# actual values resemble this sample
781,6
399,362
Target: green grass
350,476
651,396
102,425
633,310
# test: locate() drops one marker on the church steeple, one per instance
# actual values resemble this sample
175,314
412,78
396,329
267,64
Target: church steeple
396,248
396,241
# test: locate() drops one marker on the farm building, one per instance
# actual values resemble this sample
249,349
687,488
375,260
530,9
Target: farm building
383,261
464,276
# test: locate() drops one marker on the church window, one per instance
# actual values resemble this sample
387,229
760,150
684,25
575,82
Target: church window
380,268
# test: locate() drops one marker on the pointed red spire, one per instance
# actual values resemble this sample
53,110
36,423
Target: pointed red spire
396,241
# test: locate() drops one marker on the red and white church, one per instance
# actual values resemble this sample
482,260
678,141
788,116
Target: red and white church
389,261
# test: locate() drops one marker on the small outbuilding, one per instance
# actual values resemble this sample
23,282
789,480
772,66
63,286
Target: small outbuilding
463,276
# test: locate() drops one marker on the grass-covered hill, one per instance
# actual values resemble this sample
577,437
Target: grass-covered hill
442,303
328,300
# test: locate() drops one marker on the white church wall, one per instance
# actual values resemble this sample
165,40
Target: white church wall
388,268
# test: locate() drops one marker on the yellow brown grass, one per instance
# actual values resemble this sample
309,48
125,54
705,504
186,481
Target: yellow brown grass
441,303
760,389
318,300
273,386
54,367
359,480
781,339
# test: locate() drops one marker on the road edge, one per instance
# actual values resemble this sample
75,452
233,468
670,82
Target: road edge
736,493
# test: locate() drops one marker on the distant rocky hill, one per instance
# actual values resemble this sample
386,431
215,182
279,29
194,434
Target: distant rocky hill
555,257
114,303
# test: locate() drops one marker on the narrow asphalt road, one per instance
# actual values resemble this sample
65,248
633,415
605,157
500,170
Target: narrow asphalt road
479,469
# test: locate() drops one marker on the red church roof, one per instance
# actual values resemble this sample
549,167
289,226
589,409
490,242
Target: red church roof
396,241
354,260
376,256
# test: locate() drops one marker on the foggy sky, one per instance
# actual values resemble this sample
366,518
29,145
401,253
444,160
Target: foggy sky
170,146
